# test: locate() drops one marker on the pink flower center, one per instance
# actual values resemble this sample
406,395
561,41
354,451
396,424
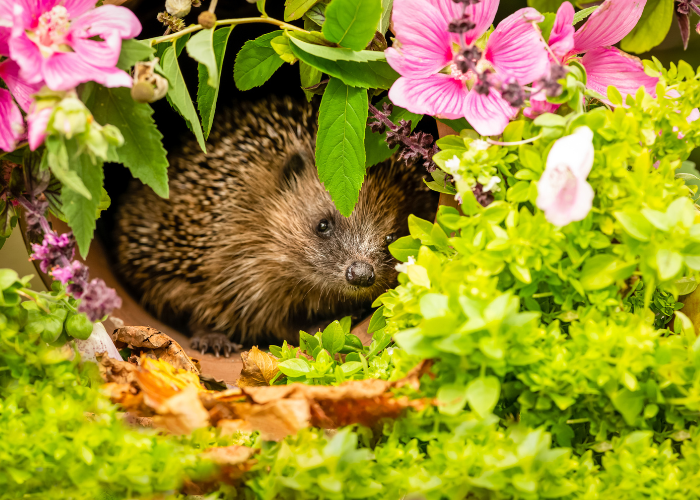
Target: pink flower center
52,29
563,182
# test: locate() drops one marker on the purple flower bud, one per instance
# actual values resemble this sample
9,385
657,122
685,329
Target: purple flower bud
98,300
482,87
484,198
467,2
55,250
461,26
80,276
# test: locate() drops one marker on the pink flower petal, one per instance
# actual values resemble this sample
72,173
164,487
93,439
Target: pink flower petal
4,41
610,66
66,70
694,115
489,114
608,24
27,55
539,105
425,46
576,151
561,39
21,90
482,14
107,20
77,7
516,49
103,53
36,125
439,95
11,123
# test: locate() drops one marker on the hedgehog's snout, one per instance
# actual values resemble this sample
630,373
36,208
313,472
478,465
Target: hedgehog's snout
360,274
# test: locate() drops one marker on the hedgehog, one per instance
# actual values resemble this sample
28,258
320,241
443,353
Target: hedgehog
249,245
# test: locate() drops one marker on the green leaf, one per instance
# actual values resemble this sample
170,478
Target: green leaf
635,224
333,338
80,211
483,394
378,321
256,62
365,68
7,278
385,21
404,247
294,9
134,51
58,161
669,263
179,97
346,323
351,368
583,14
340,151
652,27
207,95
317,14
280,45
352,23
142,152
296,367
201,48
376,148
309,77
452,398
628,403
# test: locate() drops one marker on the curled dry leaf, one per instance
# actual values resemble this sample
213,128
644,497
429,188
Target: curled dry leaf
259,368
182,413
144,339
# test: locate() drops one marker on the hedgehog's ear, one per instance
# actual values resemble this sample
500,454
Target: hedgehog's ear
294,166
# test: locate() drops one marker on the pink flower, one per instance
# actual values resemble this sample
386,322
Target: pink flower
539,105
432,83
563,192
11,121
66,42
605,65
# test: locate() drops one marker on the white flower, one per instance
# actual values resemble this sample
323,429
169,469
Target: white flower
480,144
563,193
402,267
493,181
452,165
458,198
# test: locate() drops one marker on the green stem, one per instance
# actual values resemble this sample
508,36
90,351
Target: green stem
226,22
542,295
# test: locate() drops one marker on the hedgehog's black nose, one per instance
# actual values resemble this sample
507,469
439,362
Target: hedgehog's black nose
360,274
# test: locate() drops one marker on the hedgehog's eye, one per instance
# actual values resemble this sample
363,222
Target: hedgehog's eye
323,227
390,239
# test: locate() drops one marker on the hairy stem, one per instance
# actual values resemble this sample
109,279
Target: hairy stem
226,22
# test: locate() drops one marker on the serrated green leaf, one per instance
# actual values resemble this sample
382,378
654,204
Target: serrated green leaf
352,23
201,48
652,27
376,148
142,152
340,150
206,94
317,14
583,14
179,97
365,68
294,9
256,62
134,51
80,211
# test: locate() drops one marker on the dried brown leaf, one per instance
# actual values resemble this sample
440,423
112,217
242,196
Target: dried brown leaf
182,413
259,368
153,342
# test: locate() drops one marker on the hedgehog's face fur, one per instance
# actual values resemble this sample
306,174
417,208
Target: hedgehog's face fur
331,258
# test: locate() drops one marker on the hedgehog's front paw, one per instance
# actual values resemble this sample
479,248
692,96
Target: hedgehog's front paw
216,342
